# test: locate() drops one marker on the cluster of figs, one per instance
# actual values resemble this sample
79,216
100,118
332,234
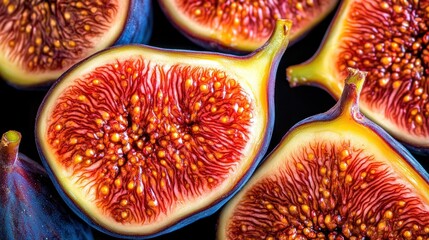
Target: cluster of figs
138,141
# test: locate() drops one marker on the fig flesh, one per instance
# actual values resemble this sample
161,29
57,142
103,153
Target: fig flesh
42,39
141,141
336,175
387,39
30,207
242,26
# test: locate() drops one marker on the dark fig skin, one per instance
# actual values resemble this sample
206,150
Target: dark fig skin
30,207
27,66
139,25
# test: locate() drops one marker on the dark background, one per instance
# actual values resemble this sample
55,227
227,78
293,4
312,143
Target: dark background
18,107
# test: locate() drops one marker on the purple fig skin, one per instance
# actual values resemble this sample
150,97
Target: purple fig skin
30,207
139,25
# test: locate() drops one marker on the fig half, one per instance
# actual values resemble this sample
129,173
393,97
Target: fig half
30,207
242,26
42,39
141,141
336,175
388,39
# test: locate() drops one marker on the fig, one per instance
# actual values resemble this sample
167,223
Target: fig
387,39
42,39
242,26
141,141
30,207
334,175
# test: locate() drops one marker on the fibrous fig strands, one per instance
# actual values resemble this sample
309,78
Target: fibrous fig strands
242,26
389,40
167,138
42,39
142,141
335,175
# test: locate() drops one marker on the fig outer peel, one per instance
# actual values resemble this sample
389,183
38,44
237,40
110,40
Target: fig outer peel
256,74
30,208
134,24
320,71
347,120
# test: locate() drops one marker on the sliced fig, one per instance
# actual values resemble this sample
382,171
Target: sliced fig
242,26
30,206
388,39
141,141
336,175
42,39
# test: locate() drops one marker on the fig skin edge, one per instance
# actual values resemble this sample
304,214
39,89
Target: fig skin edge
271,52
140,16
346,109
137,27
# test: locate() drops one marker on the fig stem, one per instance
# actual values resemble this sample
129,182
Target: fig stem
264,61
278,41
317,71
349,102
276,45
320,70
9,147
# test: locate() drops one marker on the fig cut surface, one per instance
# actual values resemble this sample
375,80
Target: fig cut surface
42,39
387,39
335,175
242,26
142,141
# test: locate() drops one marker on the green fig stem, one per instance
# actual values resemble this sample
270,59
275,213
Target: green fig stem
272,50
278,41
315,72
9,147
349,102
321,69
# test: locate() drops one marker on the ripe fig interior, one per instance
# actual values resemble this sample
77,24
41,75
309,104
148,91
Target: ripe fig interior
242,26
388,39
42,39
333,176
142,140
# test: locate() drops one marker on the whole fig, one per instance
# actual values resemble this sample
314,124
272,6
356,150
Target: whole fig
30,208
